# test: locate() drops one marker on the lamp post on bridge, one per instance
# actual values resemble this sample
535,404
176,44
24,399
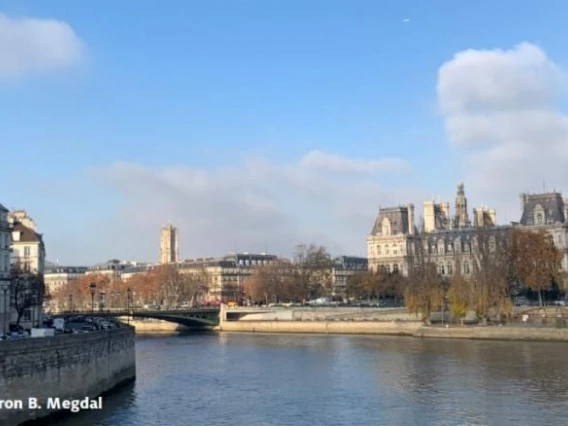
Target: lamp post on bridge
93,288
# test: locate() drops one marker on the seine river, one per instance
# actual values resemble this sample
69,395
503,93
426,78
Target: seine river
248,379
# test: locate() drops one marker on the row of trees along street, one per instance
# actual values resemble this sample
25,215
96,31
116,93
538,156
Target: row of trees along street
308,276
516,262
503,265
162,285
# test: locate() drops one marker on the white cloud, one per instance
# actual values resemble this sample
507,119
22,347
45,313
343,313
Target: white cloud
502,110
30,45
337,164
254,206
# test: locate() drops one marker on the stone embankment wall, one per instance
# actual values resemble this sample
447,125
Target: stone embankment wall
70,366
495,333
328,314
405,328
156,326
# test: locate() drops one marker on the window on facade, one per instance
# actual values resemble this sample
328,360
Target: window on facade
450,269
442,269
387,250
27,315
395,268
27,251
378,249
466,268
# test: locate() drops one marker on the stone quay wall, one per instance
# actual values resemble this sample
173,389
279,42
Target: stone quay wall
69,366
404,328
495,333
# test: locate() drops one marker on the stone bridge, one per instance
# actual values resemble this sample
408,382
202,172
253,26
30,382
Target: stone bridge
194,318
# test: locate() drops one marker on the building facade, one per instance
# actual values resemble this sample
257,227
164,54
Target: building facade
454,242
5,281
55,279
113,268
345,267
169,252
130,271
28,248
548,212
394,241
225,276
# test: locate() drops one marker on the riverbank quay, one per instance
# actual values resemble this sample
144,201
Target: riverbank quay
67,367
399,328
393,322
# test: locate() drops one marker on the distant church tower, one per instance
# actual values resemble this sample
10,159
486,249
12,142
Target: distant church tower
462,221
169,245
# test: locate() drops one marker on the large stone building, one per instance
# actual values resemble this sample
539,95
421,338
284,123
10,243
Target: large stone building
136,269
113,268
343,268
226,275
27,253
547,211
169,252
5,241
453,242
28,248
56,277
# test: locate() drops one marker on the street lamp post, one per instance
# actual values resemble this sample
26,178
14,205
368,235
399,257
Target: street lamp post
93,288
128,295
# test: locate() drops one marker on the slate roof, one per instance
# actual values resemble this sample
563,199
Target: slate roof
27,235
553,206
398,217
2,208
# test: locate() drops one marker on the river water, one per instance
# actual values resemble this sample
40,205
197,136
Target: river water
253,379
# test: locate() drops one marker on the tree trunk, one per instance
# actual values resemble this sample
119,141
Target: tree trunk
540,297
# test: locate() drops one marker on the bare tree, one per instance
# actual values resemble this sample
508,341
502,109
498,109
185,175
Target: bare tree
536,260
313,270
27,291
425,290
460,295
491,255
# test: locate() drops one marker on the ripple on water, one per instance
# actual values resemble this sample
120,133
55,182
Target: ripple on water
240,379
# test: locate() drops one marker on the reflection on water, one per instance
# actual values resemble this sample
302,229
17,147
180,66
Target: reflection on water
252,379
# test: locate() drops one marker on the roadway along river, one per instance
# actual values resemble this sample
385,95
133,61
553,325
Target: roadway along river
247,379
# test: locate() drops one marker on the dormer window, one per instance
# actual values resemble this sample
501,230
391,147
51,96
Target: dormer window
386,226
539,215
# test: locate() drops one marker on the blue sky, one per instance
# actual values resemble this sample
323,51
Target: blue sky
187,92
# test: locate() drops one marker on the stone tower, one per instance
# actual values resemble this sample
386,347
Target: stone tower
462,220
169,245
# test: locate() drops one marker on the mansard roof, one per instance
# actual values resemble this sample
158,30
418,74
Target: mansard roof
552,204
398,217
